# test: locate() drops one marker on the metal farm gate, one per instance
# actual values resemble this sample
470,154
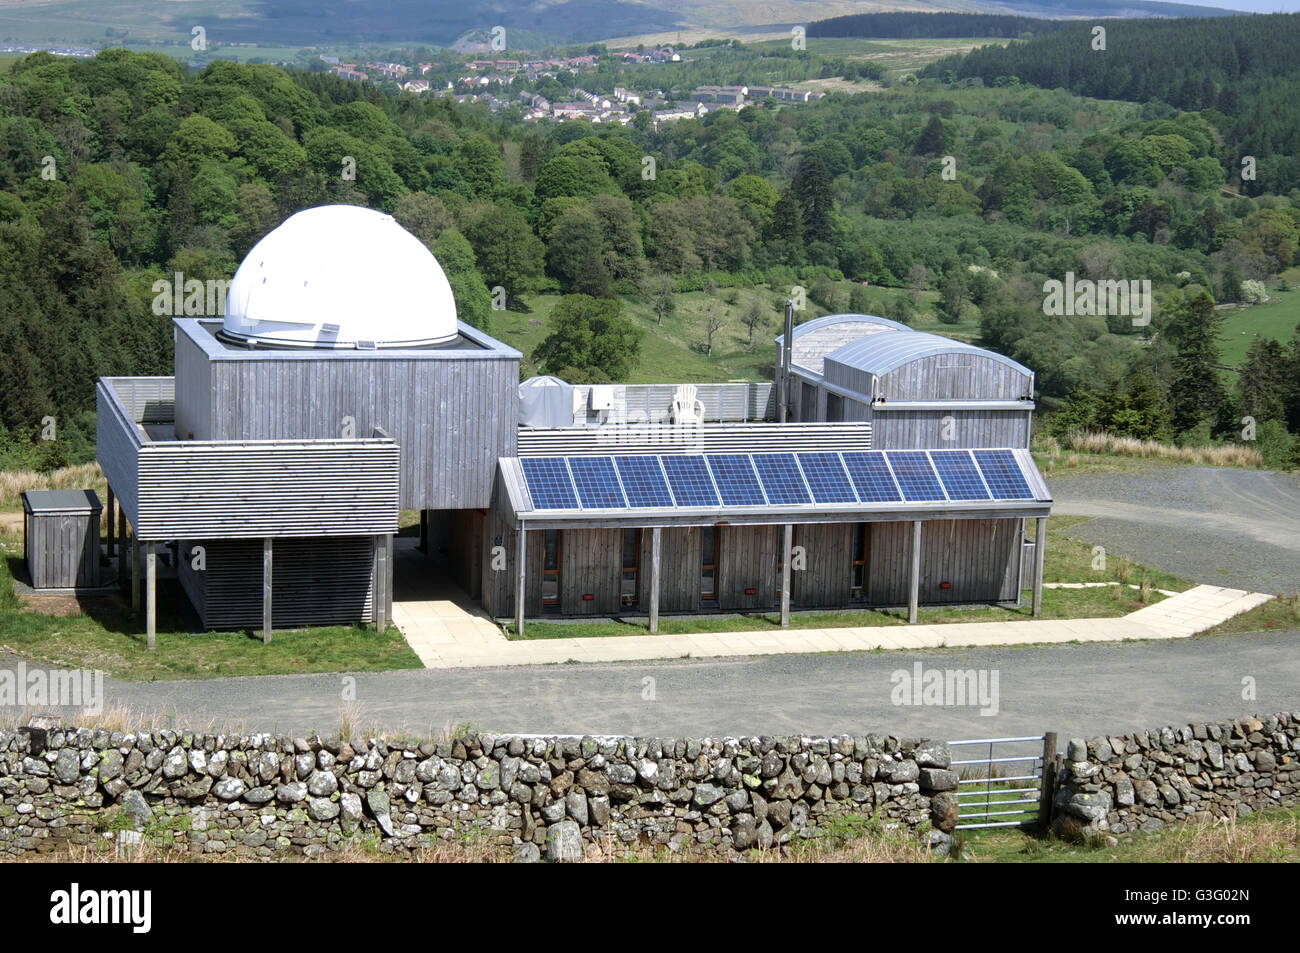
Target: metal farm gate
1006,782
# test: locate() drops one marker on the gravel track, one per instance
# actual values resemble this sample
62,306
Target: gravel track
1219,526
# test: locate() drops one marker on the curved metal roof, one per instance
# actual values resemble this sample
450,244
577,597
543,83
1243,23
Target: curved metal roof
881,353
826,321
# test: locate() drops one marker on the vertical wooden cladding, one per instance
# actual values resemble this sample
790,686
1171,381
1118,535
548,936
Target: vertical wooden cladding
318,581
61,547
679,566
952,377
452,416
978,558
747,559
827,576
924,429
591,564
193,387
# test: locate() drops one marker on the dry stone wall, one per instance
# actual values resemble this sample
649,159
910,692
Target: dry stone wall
1146,780
552,797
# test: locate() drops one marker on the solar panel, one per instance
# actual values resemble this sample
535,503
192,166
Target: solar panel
1002,474
960,478
734,475
826,478
781,478
548,483
643,481
596,483
915,475
871,477
689,479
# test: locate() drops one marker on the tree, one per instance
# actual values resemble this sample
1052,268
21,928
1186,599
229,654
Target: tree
953,293
712,325
591,337
422,215
1197,393
752,317
1263,382
659,289
811,187
933,140
575,253
508,252
473,302
917,278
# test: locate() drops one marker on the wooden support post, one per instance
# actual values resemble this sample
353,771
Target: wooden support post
388,582
135,573
1048,791
521,560
268,566
1040,550
656,544
914,581
787,548
151,593
121,547
424,531
111,508
381,585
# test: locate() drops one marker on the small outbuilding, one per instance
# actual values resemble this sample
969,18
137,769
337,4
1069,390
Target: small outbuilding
61,538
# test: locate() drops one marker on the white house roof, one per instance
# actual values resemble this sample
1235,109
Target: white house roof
340,276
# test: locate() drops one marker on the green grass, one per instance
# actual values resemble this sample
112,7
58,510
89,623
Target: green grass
106,635
1277,319
1264,837
1280,613
675,351
1067,560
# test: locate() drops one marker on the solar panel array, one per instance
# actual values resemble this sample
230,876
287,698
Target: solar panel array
650,481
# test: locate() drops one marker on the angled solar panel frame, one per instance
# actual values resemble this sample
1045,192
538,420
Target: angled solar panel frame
827,479
780,480
737,481
960,475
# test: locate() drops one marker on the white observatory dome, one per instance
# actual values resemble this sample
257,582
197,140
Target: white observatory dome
340,276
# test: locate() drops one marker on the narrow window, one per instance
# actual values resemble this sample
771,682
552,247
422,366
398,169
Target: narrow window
551,569
631,564
708,563
859,586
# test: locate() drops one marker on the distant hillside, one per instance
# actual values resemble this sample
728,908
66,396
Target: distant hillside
913,26
1243,68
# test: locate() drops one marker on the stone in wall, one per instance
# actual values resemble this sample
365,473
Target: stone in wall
1200,771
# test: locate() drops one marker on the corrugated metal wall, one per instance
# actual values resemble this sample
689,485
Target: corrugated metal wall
318,581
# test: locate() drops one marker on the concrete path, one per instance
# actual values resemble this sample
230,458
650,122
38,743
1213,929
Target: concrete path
447,633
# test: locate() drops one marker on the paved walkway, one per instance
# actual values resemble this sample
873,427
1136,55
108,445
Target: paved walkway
447,631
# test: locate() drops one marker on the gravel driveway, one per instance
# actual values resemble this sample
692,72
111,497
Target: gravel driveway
1223,527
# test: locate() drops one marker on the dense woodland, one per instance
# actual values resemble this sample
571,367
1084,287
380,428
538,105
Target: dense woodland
119,171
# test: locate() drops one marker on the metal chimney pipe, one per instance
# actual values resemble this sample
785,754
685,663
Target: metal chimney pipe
787,344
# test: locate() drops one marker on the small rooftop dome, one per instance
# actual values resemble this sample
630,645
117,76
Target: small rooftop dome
340,276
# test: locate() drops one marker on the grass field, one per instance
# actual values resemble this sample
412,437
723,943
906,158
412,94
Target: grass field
1276,319
675,351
